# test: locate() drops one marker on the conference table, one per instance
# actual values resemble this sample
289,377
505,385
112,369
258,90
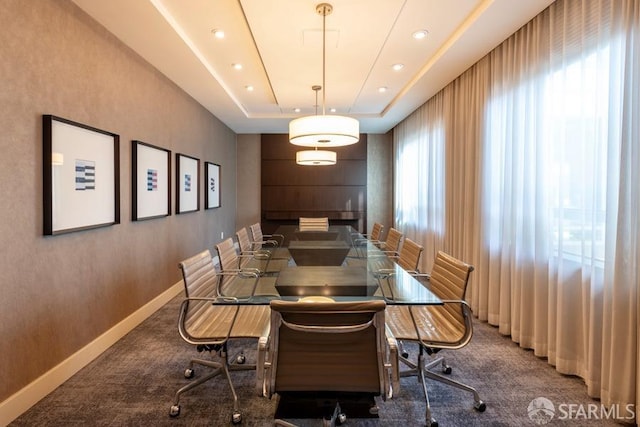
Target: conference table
340,264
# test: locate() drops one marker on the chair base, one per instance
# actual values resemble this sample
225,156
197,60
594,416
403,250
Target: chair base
337,418
322,405
220,367
424,371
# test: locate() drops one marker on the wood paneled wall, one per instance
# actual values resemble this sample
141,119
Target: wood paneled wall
290,191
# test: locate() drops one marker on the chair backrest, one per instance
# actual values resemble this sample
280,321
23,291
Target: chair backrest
394,237
243,241
448,279
228,255
200,281
410,255
376,231
328,346
256,233
313,224
199,275
202,322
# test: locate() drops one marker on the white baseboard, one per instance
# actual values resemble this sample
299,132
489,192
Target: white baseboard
24,399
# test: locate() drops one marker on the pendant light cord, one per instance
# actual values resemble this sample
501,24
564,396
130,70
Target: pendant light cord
324,54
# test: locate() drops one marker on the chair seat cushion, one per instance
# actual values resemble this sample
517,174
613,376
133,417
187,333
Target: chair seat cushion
242,286
434,322
213,321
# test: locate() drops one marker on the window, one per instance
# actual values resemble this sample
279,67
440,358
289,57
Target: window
549,154
576,118
420,180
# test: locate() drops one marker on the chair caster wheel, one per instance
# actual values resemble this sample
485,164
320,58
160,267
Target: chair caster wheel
236,418
189,373
174,411
241,359
446,370
480,406
432,423
342,418
405,354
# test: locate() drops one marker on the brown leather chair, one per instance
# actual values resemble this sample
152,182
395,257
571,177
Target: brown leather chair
328,348
360,241
373,237
241,281
437,327
392,243
409,258
313,224
257,258
380,261
210,327
271,242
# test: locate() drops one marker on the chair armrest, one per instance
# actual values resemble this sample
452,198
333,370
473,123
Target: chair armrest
273,243
275,237
255,255
261,365
393,358
384,273
250,272
243,272
416,273
358,242
262,253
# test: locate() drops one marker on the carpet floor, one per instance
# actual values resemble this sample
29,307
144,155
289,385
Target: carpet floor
133,384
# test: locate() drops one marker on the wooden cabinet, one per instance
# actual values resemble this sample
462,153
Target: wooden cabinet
290,191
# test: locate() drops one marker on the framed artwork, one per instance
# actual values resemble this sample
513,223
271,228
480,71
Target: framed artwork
187,179
81,176
212,185
150,181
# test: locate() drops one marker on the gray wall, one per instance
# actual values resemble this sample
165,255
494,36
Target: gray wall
380,181
59,293
249,161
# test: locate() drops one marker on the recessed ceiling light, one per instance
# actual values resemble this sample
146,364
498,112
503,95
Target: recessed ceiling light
296,110
420,34
333,110
237,66
219,34
382,89
397,67
249,88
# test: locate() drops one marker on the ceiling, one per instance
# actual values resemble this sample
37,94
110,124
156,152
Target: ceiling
279,44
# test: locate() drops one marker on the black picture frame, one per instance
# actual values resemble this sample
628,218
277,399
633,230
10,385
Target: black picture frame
81,176
187,183
212,185
150,181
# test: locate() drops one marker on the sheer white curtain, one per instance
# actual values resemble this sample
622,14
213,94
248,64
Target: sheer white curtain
419,183
542,151
553,147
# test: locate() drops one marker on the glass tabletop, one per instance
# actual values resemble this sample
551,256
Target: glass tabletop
366,273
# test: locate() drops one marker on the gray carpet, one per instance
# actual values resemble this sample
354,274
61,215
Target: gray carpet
133,384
